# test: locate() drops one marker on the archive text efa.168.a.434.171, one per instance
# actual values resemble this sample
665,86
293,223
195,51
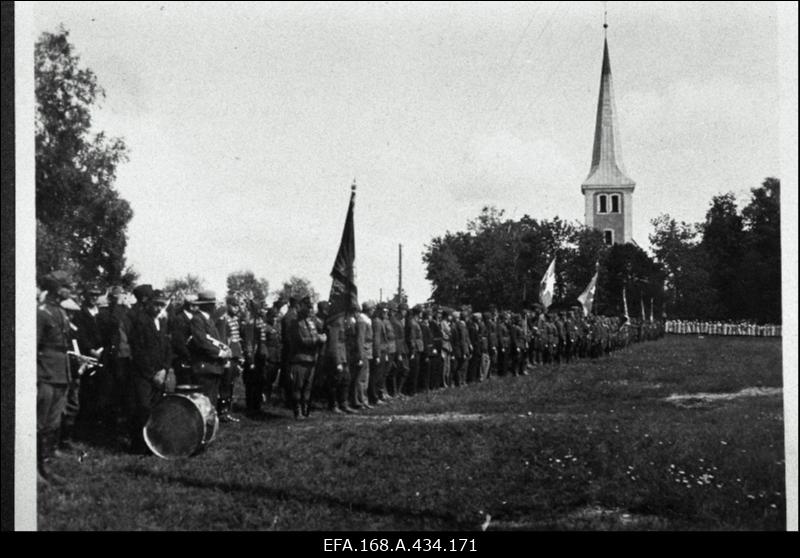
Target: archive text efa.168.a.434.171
399,544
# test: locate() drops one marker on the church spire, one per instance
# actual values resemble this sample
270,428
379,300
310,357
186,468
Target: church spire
607,168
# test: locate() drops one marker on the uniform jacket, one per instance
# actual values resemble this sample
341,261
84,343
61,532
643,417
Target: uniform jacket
491,335
364,338
53,339
304,340
380,344
391,336
427,337
335,347
414,335
229,328
150,346
503,337
401,343
447,337
518,338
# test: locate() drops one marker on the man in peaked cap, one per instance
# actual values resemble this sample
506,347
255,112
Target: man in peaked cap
53,340
304,341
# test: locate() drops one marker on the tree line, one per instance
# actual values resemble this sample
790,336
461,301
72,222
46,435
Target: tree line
727,267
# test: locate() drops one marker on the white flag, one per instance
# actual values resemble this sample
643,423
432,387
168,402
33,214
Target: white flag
548,285
587,297
625,304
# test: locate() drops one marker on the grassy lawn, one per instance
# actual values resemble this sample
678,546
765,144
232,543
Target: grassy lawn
589,445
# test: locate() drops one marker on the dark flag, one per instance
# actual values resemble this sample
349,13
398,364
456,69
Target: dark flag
344,293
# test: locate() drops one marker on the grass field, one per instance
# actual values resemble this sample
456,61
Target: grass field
590,445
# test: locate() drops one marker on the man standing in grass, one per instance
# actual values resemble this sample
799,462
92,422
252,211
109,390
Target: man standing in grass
304,342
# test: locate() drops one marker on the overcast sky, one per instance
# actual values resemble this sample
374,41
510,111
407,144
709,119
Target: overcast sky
247,123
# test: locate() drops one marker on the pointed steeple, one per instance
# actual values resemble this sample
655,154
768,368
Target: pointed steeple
607,169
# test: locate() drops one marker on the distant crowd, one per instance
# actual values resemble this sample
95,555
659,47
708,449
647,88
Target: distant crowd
104,362
741,328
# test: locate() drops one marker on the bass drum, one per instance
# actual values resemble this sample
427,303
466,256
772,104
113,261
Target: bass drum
181,425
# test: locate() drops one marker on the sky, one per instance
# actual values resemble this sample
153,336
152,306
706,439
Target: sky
247,123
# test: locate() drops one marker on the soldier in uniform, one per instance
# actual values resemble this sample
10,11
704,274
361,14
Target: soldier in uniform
53,340
491,343
519,347
446,348
360,358
503,345
336,366
428,353
416,348
229,326
474,369
401,366
150,354
388,310
304,342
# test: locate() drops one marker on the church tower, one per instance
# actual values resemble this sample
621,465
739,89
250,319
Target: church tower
607,191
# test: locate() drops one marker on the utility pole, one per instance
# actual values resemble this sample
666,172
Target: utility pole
400,274
381,295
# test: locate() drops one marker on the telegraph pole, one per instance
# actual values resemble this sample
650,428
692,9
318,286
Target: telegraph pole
400,273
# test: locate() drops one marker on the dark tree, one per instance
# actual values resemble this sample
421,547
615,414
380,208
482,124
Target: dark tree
297,285
761,265
723,246
191,284
81,221
246,284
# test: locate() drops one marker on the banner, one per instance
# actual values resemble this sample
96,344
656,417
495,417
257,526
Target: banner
548,285
587,297
344,293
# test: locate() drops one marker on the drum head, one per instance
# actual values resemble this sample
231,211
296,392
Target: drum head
187,388
175,428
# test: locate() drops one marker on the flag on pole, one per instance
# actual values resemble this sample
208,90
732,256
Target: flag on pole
587,297
344,294
625,304
548,285
651,309
641,299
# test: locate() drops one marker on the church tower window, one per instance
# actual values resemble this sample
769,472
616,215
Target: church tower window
615,203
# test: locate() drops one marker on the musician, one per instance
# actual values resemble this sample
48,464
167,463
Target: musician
206,350
151,359
180,329
53,340
229,327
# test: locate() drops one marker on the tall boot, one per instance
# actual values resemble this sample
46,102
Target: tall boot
47,442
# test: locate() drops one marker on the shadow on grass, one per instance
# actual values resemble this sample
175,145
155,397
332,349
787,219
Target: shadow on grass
305,496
